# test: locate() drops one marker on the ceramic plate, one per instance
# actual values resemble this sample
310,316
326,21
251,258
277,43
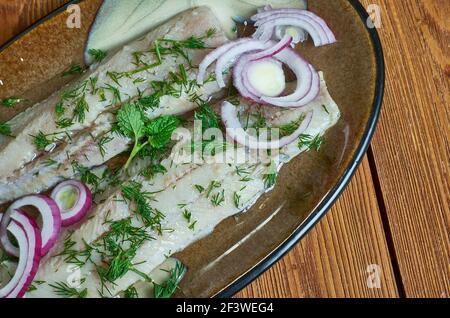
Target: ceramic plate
244,246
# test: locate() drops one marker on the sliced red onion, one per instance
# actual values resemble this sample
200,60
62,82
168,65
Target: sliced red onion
233,53
74,200
214,55
268,20
235,130
51,222
19,233
239,71
308,81
319,38
33,253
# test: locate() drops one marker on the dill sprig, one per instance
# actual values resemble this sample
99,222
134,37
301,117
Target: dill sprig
41,141
218,198
64,290
169,287
118,248
73,69
131,292
11,101
98,55
309,142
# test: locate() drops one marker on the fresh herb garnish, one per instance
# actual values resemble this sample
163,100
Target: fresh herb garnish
325,109
236,199
11,101
118,249
102,143
64,290
131,292
199,188
151,217
86,175
310,142
167,289
152,170
73,69
290,128
5,129
98,55
41,141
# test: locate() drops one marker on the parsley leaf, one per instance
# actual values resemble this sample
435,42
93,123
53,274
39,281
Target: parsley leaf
72,70
160,130
130,121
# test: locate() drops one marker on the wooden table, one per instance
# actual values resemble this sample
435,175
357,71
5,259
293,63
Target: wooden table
394,217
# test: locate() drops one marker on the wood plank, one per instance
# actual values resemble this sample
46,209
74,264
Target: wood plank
411,147
17,15
331,261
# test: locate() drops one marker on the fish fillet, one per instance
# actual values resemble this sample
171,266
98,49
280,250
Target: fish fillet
174,192
16,152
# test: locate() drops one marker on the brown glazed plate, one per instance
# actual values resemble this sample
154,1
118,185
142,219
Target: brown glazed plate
244,246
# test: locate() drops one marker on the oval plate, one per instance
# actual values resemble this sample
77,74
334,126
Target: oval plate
244,246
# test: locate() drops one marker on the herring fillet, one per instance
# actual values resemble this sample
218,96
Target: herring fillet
153,253
20,150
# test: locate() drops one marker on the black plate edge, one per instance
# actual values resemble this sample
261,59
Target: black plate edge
37,23
337,190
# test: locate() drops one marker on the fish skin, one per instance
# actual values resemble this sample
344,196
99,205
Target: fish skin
178,188
16,152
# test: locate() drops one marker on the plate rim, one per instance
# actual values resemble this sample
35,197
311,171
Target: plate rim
328,201
334,193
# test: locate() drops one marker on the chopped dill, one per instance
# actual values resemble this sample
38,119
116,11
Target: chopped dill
169,287
311,143
72,70
64,290
11,101
218,198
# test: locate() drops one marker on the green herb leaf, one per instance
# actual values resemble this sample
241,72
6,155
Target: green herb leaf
10,102
130,121
160,130
167,289
98,55
64,290
5,129
73,69
41,141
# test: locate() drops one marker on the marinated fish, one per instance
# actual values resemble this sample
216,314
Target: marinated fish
186,203
126,75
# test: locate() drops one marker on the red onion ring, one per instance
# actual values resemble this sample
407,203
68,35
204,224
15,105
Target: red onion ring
239,69
245,74
28,237
235,130
263,18
308,81
33,254
214,55
82,205
51,222
233,53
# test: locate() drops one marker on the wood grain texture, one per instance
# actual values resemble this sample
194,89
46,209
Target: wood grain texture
332,260
411,147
